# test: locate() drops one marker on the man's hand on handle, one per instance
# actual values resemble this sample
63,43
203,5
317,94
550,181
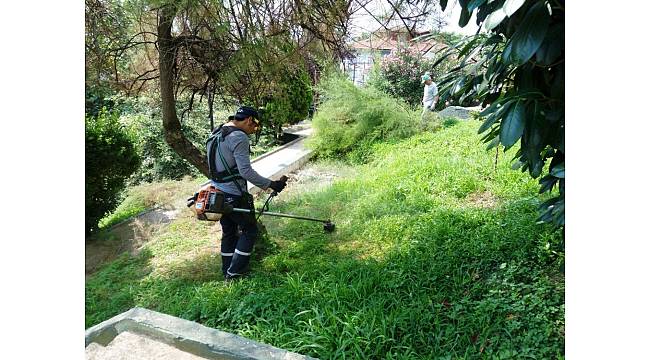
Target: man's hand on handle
278,185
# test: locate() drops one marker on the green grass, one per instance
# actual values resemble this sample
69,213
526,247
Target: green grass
436,256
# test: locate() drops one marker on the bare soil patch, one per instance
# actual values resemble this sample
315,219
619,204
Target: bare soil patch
483,199
128,236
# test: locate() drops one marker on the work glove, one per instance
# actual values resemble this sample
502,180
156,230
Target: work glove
278,185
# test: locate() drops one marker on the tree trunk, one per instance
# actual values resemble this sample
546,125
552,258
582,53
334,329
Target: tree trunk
166,56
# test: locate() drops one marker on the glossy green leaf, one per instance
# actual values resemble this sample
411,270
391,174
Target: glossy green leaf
551,52
482,12
511,6
470,46
549,202
443,4
494,116
492,108
494,19
492,144
441,59
473,4
558,212
489,121
506,56
546,215
530,35
465,15
558,171
536,167
512,126
547,183
552,47
458,85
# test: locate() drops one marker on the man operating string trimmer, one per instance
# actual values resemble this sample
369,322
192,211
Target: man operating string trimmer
230,167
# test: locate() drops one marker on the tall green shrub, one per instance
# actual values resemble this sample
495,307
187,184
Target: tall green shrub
111,157
350,117
291,100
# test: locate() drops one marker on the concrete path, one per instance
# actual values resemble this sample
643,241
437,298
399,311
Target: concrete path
285,159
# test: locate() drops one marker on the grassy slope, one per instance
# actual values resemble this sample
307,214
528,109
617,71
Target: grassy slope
419,267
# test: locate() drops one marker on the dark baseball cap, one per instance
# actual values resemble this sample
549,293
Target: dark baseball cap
246,111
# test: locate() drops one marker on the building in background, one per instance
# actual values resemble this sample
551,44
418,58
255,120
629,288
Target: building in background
382,43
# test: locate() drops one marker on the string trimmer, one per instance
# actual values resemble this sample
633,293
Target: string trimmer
209,204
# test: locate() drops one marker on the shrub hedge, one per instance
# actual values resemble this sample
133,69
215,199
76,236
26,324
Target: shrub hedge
291,101
111,157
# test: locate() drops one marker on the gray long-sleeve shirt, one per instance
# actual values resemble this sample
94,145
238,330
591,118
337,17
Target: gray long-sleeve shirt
235,150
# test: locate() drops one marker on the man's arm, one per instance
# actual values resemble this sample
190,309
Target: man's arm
243,160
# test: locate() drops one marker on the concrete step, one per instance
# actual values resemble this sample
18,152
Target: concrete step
94,351
128,345
142,334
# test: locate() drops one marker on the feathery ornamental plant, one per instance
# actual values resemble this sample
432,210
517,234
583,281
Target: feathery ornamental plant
400,74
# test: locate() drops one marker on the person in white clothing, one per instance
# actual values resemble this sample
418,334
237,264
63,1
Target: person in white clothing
430,97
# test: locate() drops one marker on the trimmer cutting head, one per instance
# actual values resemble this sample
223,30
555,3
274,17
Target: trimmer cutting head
328,226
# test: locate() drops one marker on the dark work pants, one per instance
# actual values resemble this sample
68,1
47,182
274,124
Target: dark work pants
237,240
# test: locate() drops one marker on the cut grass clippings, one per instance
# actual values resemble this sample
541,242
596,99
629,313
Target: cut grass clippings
415,270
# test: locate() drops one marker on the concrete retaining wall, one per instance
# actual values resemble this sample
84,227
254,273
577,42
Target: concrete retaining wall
186,336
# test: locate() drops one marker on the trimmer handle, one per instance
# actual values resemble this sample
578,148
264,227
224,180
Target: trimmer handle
191,200
284,179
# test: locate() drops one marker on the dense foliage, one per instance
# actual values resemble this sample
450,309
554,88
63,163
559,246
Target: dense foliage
399,74
159,161
290,101
241,54
351,118
518,69
436,255
111,157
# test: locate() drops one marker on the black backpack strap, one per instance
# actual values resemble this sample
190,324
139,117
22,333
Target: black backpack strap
233,174
213,144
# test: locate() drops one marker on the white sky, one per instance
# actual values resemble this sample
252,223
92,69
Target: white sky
453,15
362,22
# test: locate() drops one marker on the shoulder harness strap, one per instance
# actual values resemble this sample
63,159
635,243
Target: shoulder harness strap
213,142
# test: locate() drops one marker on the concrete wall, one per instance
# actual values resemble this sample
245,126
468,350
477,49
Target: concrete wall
186,336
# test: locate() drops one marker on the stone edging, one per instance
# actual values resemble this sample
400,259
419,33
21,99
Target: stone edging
186,336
